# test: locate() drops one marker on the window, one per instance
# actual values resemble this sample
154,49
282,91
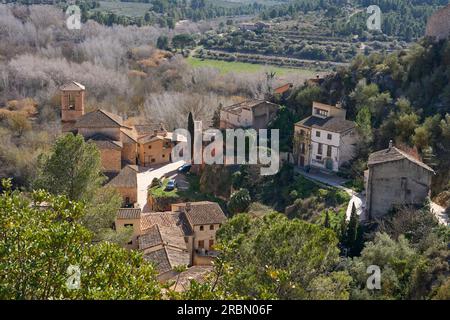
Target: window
302,148
329,136
163,155
321,112
317,133
71,101
149,147
131,242
318,157
201,244
211,243
329,151
126,225
127,200
211,227
201,228
302,132
319,149
153,160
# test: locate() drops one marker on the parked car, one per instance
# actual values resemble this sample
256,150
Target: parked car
171,185
184,168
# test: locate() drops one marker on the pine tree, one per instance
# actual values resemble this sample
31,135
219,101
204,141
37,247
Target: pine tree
326,222
353,238
191,131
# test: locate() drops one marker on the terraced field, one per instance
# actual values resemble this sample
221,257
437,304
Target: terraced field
130,9
242,67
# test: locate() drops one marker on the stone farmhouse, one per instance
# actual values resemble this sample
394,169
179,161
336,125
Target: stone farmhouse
121,146
183,236
254,114
324,140
395,179
438,25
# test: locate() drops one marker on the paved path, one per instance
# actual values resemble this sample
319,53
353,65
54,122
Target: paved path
145,178
357,199
440,214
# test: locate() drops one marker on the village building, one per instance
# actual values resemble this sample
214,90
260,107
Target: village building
317,81
184,236
395,179
155,148
254,114
126,184
324,140
122,147
283,91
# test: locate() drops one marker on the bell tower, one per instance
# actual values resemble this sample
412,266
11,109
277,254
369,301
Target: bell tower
72,104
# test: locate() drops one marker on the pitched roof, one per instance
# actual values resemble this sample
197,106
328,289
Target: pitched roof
333,124
103,142
151,238
203,212
165,236
151,138
283,88
166,220
394,154
128,213
130,133
72,86
247,104
197,273
99,119
127,178
149,128
165,259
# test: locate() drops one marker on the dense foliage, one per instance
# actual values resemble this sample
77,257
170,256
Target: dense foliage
41,236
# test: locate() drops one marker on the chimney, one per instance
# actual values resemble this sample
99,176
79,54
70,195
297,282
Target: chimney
391,144
188,206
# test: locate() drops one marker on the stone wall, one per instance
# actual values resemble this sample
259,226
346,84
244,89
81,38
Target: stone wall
111,160
439,24
396,183
129,195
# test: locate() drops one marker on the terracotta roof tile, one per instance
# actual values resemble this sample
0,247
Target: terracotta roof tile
128,213
247,104
203,212
165,259
99,119
103,142
197,273
283,89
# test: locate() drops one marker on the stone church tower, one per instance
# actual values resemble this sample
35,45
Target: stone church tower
72,104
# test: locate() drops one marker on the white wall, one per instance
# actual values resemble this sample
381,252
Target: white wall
334,143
